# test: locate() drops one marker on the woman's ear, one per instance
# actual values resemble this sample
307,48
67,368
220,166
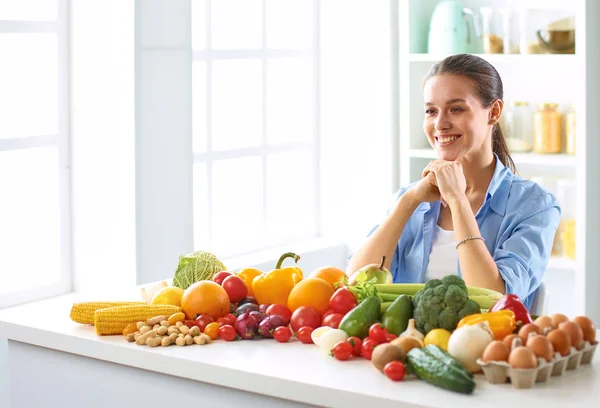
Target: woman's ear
496,111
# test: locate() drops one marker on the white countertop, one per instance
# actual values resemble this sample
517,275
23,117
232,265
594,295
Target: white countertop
292,371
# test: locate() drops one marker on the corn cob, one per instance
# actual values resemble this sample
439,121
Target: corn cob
84,312
113,320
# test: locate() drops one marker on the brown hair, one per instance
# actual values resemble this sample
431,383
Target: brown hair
488,88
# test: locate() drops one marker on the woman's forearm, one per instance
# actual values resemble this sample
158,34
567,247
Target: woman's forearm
385,238
476,264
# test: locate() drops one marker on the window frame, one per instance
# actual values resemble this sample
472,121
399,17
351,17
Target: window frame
59,140
209,156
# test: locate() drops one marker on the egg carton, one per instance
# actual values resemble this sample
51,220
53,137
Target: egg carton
500,372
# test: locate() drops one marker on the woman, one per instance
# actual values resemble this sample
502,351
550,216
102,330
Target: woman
469,214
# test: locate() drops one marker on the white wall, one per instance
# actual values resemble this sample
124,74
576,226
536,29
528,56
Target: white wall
3,372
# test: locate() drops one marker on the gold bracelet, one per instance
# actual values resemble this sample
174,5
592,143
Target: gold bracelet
468,239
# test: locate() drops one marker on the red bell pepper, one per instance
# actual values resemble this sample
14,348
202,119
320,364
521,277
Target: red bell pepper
512,302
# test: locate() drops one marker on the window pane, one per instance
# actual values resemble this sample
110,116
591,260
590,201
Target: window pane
29,84
290,104
236,104
199,22
237,206
199,106
236,24
28,10
290,196
29,219
201,197
289,24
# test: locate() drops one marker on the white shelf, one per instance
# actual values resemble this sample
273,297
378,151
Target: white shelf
500,58
554,160
562,263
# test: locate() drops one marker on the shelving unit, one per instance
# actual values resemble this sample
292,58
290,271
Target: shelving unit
564,79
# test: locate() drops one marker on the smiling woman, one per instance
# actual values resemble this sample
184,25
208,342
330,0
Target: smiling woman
469,214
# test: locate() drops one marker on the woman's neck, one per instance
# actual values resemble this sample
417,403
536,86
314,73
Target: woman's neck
479,171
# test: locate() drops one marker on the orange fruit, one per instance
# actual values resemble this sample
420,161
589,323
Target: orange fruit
248,275
205,297
311,292
329,274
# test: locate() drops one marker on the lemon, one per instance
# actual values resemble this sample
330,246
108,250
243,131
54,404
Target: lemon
169,295
438,337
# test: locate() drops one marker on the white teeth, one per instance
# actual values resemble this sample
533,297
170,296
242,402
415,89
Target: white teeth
447,139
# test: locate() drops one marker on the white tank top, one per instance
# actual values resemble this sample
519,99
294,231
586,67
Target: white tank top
443,258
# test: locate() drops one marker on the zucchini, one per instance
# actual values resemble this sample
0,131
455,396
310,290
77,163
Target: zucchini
439,373
445,357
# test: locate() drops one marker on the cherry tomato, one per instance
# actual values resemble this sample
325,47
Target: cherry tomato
203,320
190,323
327,313
333,320
227,333
282,334
281,311
235,287
378,333
230,319
367,348
342,350
305,316
212,330
390,337
356,344
394,370
219,277
222,321
342,301
304,334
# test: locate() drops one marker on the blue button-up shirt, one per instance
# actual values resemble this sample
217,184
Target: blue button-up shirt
518,220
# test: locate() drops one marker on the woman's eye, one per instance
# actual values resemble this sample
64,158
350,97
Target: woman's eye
429,111
456,109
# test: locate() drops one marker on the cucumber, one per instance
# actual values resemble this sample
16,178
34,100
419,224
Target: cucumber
443,356
439,373
357,321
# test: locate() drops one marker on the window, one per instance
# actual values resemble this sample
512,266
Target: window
34,151
255,137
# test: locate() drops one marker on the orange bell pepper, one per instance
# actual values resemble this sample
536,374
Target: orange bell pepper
275,286
502,323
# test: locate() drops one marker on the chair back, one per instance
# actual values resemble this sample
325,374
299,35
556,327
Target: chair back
539,306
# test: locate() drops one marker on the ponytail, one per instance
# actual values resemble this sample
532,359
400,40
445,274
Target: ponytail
501,149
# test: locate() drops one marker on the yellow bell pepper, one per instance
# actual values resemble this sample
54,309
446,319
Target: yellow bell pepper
275,286
248,275
502,323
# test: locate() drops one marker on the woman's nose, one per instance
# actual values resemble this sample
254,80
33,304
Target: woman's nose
442,123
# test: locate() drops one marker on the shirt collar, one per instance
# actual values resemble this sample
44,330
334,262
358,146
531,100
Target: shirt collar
499,187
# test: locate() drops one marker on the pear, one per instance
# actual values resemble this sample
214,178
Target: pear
368,272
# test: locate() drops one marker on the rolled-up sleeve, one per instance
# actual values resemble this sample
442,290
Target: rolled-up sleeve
523,257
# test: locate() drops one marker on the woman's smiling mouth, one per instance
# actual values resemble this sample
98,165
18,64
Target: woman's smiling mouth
446,140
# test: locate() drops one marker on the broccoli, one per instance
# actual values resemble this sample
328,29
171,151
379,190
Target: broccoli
442,303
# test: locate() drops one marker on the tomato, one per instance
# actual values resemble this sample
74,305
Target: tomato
305,316
333,320
304,334
212,330
327,313
390,337
235,287
230,319
356,344
219,277
203,320
282,334
281,311
378,333
222,321
227,333
394,370
367,348
190,323
342,350
342,301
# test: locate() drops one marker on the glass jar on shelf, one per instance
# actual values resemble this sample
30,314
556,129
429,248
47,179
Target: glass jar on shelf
566,195
570,129
519,127
492,25
547,128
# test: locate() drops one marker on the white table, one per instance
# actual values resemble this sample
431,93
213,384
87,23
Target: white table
55,362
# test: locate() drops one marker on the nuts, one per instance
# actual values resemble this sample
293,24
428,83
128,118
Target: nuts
158,331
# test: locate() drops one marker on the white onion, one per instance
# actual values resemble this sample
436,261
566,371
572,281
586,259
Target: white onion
467,344
330,339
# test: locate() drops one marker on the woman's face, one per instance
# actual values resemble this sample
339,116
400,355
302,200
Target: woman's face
456,124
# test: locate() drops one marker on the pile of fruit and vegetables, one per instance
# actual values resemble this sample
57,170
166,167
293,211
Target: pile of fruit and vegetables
441,332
